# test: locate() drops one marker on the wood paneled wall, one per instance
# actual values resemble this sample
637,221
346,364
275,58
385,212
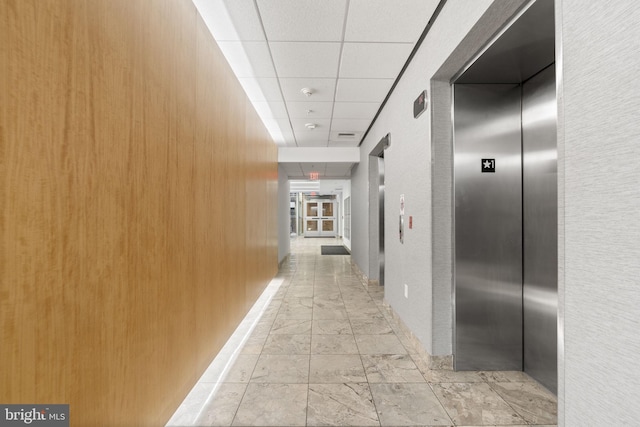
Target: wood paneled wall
138,194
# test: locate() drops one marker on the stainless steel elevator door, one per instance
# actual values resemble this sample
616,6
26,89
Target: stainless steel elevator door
488,227
540,298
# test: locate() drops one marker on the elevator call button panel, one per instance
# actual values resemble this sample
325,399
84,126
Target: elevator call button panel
488,165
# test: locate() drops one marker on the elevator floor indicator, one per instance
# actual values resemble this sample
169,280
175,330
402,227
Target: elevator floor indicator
488,165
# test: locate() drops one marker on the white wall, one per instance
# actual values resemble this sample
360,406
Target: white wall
599,141
284,238
598,53
346,192
408,172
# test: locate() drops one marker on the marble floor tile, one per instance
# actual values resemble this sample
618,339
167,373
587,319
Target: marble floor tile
329,314
253,345
333,344
331,327
223,407
532,401
287,344
505,376
364,313
328,305
336,368
300,291
475,404
328,297
446,376
295,313
262,329
371,326
242,369
358,366
348,404
273,405
286,326
391,368
293,303
379,344
281,369
408,405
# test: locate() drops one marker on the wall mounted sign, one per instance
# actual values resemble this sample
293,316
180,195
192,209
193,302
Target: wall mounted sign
420,104
489,165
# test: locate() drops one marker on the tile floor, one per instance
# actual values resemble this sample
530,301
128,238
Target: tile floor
324,350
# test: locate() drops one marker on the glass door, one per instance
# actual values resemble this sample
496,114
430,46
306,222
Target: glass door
311,219
319,218
328,219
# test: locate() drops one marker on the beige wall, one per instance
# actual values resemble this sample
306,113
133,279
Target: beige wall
138,197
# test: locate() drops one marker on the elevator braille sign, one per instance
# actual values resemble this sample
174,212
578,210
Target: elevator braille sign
488,165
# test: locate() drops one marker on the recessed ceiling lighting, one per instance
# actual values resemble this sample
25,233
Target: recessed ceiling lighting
307,91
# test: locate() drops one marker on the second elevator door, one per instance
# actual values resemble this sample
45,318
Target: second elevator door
505,227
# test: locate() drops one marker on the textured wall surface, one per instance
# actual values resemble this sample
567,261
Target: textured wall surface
408,172
360,214
599,135
138,193
284,220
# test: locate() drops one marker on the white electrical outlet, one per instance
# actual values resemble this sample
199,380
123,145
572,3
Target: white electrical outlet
406,290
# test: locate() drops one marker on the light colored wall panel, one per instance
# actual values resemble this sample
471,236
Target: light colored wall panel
408,162
284,212
598,137
128,249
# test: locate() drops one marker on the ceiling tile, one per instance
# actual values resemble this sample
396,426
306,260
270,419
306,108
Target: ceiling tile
231,19
316,137
282,124
388,21
305,59
350,124
355,110
322,126
323,89
319,110
261,89
343,137
338,168
303,20
271,110
292,169
373,60
312,167
248,59
279,129
362,90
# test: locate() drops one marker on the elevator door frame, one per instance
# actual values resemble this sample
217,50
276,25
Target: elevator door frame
377,211
529,49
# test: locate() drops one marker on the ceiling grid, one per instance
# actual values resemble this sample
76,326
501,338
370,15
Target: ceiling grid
346,54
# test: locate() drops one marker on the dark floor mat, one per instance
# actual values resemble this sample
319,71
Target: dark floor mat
334,250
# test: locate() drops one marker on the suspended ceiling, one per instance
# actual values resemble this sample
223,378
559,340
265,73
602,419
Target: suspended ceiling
347,53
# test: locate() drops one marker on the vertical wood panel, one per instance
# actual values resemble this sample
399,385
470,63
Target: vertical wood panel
130,244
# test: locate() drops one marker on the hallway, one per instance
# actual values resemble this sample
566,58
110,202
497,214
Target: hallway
327,351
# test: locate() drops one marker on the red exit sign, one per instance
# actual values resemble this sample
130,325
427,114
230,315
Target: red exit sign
314,176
